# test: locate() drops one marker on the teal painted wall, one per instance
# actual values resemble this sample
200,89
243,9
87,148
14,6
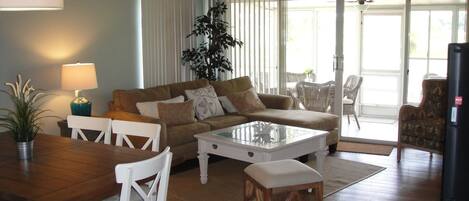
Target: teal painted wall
37,43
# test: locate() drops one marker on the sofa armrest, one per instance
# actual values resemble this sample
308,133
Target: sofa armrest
409,112
111,106
276,101
127,116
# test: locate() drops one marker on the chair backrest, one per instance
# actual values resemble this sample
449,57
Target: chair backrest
316,96
77,123
159,166
295,77
351,87
123,129
434,100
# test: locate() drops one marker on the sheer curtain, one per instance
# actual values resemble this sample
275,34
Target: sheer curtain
256,24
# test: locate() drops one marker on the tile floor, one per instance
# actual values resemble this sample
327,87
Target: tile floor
371,129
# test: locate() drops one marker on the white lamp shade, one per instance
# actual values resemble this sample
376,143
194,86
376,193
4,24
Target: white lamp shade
79,76
26,5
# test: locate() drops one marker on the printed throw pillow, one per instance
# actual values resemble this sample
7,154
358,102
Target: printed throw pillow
206,102
177,113
246,101
150,109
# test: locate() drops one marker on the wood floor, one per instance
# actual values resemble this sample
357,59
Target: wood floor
416,177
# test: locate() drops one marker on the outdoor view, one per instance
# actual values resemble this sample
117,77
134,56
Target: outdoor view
373,50
431,31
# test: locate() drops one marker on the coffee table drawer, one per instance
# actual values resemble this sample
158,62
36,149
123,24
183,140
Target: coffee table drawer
238,153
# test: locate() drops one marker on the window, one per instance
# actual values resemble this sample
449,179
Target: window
430,33
311,41
382,42
462,26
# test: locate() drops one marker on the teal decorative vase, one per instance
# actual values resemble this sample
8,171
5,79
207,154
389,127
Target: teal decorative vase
81,107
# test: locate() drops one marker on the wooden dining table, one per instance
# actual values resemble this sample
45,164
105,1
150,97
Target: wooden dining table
62,169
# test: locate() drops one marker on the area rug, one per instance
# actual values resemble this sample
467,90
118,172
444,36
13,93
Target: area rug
355,147
225,180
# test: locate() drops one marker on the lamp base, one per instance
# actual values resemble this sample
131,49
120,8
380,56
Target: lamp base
81,107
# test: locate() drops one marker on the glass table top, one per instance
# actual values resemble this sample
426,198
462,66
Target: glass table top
265,134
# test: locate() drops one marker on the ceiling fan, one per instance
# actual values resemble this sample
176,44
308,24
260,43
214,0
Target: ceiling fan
360,2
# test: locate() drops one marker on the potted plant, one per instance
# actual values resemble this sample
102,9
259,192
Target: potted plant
209,59
309,73
23,120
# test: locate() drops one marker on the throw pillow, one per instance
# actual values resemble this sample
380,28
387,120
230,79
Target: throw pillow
246,101
150,108
227,105
177,113
206,102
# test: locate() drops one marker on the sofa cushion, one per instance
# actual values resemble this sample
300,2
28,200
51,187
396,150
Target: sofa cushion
224,88
178,89
126,100
246,101
225,121
150,108
206,102
227,105
300,118
183,134
177,113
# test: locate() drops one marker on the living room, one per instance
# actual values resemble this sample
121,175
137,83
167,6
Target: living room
279,45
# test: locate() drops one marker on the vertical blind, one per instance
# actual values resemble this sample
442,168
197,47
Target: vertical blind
165,25
256,24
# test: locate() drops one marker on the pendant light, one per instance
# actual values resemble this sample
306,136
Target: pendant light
30,5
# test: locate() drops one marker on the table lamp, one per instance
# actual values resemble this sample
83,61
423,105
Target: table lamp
79,76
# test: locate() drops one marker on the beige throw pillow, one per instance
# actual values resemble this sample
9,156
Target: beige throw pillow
177,113
150,108
206,102
246,101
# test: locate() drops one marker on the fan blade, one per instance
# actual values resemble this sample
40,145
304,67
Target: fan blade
347,1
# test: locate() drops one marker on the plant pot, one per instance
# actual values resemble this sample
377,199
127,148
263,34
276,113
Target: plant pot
25,150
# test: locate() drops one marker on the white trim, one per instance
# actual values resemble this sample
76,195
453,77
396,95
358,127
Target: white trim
368,141
139,45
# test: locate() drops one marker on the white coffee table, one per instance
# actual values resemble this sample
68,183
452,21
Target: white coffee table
259,142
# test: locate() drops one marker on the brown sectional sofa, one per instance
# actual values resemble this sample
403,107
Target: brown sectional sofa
181,137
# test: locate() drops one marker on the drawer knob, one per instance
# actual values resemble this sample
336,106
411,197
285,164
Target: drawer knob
214,146
250,154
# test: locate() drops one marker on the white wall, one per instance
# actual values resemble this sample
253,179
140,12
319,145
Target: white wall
36,44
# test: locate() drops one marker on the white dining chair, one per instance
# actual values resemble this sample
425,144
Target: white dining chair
77,123
130,173
123,129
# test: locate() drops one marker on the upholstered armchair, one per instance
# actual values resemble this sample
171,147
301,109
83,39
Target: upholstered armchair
424,127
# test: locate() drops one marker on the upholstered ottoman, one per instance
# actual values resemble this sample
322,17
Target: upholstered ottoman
263,180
